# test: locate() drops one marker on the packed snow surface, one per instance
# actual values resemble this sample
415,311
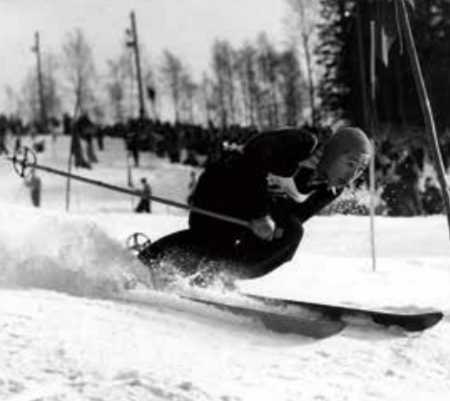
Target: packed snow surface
68,332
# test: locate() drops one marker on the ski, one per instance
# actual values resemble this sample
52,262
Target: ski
410,321
321,319
277,321
197,305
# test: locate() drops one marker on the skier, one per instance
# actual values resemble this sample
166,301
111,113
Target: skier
276,182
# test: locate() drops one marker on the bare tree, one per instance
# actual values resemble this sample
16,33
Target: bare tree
28,99
12,99
173,70
225,76
189,91
305,16
120,81
291,87
80,69
267,67
247,78
205,96
31,98
51,87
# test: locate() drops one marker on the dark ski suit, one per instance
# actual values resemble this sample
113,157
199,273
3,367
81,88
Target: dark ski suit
237,186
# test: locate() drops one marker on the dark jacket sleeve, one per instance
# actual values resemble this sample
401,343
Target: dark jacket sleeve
276,152
283,207
240,189
314,203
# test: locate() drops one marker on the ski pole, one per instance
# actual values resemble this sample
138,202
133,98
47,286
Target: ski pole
28,161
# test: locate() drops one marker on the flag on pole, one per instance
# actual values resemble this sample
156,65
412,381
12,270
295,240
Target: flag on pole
385,16
384,32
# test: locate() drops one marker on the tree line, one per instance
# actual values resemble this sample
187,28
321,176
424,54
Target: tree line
346,65
253,84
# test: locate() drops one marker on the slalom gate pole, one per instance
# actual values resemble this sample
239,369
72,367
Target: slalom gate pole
426,106
369,125
22,163
372,189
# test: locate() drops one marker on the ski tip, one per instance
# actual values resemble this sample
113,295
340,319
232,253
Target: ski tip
411,322
427,321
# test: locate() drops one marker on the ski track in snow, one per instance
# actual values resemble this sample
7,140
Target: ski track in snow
66,335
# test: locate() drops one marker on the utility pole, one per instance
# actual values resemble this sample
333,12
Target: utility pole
134,44
43,113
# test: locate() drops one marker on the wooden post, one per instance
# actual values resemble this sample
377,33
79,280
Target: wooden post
425,105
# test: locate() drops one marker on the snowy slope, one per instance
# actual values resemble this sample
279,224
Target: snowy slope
65,335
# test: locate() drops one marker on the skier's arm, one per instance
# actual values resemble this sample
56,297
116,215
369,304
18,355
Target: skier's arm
314,203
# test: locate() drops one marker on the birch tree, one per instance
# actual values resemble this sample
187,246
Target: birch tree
80,69
172,71
304,22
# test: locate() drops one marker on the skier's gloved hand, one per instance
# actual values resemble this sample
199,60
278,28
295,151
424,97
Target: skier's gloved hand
263,228
279,232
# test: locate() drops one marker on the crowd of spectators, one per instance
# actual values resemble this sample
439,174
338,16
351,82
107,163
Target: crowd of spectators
404,187
181,143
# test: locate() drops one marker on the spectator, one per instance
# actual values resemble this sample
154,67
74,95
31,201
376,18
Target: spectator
431,198
35,185
191,186
144,205
133,146
409,172
3,132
